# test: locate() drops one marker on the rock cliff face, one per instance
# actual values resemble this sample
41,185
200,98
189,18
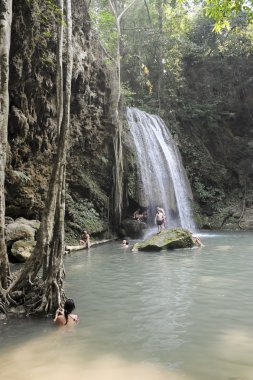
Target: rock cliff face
32,121
216,140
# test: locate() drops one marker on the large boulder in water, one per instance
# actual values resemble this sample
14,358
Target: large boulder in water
167,239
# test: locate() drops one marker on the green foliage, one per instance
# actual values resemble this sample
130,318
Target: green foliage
206,111
127,93
104,25
47,10
180,35
207,194
44,18
95,192
81,214
223,11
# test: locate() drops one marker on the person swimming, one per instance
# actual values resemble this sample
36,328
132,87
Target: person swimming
64,316
125,243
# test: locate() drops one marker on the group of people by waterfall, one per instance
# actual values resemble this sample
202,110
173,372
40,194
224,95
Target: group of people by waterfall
140,215
160,217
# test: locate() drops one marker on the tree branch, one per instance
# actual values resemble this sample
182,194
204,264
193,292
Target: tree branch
107,54
124,11
146,5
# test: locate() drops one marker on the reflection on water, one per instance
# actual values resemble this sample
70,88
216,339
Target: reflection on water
223,248
53,359
185,314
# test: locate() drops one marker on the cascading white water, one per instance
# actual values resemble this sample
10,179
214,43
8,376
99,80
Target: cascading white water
162,177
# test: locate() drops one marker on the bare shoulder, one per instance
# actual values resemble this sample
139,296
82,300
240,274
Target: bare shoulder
60,320
74,317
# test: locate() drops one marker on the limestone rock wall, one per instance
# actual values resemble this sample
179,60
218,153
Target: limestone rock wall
32,120
214,127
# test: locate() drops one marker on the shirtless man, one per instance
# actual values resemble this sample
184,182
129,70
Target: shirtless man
159,220
85,239
164,216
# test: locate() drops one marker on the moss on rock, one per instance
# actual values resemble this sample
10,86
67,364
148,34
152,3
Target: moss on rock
167,239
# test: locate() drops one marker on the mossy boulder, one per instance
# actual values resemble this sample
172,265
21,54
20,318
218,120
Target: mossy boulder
167,239
19,230
21,250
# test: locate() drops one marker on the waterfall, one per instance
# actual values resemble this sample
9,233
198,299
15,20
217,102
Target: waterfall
162,180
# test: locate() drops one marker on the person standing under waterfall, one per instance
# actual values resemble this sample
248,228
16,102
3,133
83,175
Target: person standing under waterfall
164,216
159,219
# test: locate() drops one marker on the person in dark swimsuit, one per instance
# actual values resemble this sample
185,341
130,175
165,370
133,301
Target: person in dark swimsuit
64,316
85,239
159,220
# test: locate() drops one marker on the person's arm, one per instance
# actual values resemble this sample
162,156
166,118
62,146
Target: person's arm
58,312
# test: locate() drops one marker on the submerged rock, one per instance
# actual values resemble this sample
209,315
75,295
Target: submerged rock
167,239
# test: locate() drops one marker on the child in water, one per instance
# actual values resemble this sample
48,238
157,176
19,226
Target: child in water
64,316
125,243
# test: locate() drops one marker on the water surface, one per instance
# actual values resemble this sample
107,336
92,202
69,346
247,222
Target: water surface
185,314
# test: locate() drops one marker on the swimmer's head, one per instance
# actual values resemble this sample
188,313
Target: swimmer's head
69,305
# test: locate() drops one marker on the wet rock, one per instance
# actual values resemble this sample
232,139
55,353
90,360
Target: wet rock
16,231
32,223
21,250
8,220
17,310
133,228
17,295
167,239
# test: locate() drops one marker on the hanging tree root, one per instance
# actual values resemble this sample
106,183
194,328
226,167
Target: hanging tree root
29,297
37,296
242,213
2,308
48,296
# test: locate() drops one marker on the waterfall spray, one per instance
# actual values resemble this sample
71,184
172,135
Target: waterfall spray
161,175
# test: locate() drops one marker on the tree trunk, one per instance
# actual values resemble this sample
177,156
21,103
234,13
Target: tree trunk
50,243
59,75
117,141
5,36
159,6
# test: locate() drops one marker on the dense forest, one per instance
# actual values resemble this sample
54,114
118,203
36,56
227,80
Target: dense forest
69,69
